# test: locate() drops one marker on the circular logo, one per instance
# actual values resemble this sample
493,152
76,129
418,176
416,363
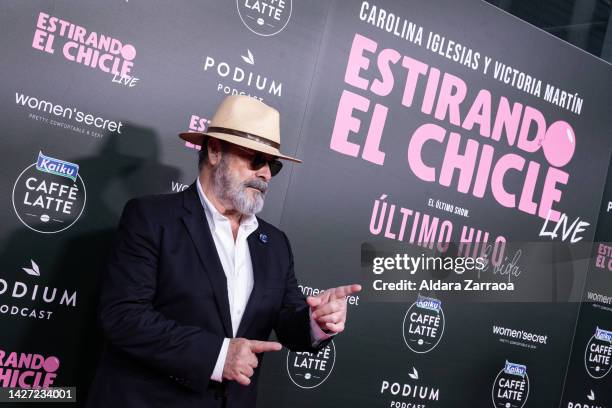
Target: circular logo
309,370
423,326
264,17
510,388
597,356
559,143
47,202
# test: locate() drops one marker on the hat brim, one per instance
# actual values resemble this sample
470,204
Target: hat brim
196,138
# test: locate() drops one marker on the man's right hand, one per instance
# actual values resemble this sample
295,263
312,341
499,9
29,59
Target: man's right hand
241,360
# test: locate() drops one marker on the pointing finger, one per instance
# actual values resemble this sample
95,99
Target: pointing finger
263,346
343,291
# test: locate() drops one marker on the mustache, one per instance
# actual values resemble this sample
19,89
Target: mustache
257,184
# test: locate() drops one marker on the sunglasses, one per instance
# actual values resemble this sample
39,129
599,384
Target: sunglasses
258,160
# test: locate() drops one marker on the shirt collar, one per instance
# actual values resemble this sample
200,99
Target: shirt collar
214,217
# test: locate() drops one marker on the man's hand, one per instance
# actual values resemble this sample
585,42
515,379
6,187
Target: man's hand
241,360
329,308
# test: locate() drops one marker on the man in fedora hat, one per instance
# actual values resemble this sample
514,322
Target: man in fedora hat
196,282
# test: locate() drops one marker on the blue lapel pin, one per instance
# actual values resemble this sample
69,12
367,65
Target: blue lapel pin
263,238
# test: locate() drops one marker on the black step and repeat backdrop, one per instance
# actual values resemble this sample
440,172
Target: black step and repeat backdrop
437,121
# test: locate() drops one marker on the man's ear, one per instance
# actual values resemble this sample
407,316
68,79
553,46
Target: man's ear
214,151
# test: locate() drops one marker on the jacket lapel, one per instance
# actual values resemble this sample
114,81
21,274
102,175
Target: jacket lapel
260,260
198,229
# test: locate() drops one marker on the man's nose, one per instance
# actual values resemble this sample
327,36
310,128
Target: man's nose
264,173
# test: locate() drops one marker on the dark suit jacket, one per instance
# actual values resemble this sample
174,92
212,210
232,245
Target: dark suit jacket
165,312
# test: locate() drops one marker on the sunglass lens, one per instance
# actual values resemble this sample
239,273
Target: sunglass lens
260,160
275,167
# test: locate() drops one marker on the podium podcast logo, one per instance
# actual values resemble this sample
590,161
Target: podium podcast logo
49,195
241,78
511,386
410,394
598,353
264,17
309,370
423,324
591,397
98,51
26,370
26,297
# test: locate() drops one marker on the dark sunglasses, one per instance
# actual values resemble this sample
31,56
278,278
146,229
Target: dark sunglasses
258,160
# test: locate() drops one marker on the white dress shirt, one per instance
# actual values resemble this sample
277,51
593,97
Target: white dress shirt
236,261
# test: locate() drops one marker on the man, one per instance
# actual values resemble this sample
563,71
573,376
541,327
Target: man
196,283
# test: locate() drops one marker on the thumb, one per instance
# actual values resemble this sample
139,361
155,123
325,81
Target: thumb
313,301
263,346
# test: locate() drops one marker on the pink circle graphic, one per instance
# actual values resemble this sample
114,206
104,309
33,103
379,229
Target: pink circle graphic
51,364
128,51
559,143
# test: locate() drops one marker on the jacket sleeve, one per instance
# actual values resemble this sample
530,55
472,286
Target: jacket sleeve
187,354
293,325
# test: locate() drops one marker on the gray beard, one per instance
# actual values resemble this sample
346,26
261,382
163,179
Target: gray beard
232,191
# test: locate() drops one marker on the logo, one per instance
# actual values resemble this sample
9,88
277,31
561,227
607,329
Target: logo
76,44
29,300
309,370
423,324
264,17
56,166
520,338
515,369
177,186
598,353
49,195
236,78
511,386
413,393
26,370
70,118
591,404
197,124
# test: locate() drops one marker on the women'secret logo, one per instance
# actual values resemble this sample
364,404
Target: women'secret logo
91,49
26,370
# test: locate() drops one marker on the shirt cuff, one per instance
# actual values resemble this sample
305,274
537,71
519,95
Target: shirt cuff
217,374
317,335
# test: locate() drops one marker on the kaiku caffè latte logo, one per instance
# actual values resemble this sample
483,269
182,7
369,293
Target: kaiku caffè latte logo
264,17
77,44
309,370
598,353
423,325
511,386
49,195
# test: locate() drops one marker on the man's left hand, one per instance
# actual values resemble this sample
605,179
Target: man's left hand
329,308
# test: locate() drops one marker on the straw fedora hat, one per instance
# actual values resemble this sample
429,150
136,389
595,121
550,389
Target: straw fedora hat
246,122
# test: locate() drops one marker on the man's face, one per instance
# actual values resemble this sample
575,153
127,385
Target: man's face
237,185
